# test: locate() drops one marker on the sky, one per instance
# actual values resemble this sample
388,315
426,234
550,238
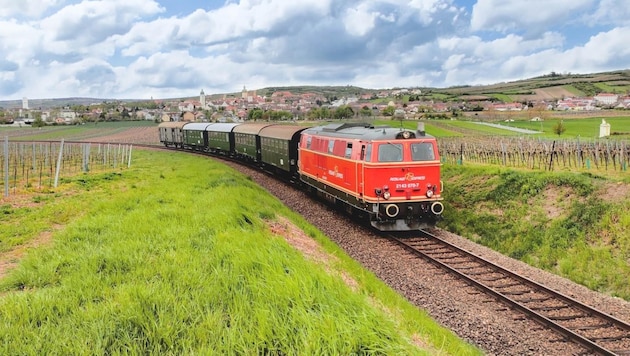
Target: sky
143,49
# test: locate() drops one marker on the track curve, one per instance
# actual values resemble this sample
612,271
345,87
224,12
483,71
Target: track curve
594,330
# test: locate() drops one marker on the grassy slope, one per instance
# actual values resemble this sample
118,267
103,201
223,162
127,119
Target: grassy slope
568,223
174,256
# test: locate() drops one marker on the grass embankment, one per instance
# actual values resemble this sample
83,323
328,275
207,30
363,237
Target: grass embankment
573,224
176,255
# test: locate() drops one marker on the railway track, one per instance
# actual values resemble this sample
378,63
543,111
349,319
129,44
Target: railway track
595,331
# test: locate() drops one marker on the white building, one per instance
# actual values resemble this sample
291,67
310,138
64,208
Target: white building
606,98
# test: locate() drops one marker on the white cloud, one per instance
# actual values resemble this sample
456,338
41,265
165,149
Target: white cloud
137,49
91,22
611,12
27,8
531,15
359,21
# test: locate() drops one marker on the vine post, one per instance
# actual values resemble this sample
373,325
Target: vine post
6,166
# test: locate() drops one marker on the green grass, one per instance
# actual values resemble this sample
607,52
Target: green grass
613,88
174,256
439,131
560,222
474,129
584,128
501,97
573,90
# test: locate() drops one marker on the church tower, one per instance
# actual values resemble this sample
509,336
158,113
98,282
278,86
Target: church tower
202,99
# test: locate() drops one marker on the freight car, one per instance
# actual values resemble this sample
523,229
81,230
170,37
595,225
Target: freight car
171,133
390,175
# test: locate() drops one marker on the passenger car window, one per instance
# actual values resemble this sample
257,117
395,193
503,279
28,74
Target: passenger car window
422,151
390,152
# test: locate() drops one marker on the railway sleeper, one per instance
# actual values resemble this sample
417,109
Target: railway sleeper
494,279
566,317
593,327
536,300
608,338
517,292
549,308
507,285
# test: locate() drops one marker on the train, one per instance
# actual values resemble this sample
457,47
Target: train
389,176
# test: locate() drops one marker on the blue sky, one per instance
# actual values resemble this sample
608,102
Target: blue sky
139,49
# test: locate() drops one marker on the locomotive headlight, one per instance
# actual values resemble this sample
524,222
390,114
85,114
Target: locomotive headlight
387,195
406,134
430,191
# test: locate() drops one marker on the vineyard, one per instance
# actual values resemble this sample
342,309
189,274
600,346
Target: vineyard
28,166
536,153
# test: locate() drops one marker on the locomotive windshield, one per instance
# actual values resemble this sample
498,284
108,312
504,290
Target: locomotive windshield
390,152
422,151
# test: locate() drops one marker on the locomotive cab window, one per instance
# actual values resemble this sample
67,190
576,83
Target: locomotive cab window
422,151
390,152
348,150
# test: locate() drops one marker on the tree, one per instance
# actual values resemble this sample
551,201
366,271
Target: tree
559,128
539,110
255,114
38,122
389,111
365,111
343,112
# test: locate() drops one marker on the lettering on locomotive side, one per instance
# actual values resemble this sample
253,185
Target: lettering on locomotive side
335,173
407,181
407,185
409,177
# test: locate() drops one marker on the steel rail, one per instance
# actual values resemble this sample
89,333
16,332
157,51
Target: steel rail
543,320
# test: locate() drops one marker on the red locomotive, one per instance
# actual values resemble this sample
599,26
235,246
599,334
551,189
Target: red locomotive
391,175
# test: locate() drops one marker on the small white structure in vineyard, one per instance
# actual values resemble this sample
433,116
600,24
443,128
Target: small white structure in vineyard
604,129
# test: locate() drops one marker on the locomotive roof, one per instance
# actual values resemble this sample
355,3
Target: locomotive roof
365,132
251,128
285,132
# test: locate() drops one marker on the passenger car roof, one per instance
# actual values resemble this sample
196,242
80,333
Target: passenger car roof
285,132
251,128
222,127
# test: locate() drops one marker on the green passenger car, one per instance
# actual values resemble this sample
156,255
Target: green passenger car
247,141
195,136
279,146
221,137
